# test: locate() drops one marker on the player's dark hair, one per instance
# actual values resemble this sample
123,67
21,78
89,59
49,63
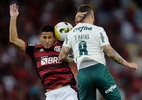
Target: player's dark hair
85,8
47,28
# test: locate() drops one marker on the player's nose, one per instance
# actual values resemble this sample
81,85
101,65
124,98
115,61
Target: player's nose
47,40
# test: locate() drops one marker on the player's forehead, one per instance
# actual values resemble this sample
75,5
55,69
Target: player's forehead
47,34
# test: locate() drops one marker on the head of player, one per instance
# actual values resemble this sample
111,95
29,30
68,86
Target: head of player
85,14
47,36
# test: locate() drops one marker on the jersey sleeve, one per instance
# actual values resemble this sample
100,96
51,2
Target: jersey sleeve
103,38
67,42
30,48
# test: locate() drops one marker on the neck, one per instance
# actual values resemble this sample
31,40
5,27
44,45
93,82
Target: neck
89,21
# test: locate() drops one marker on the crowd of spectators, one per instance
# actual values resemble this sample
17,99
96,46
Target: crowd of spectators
121,19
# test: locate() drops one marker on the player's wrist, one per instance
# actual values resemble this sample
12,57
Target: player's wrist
13,17
69,59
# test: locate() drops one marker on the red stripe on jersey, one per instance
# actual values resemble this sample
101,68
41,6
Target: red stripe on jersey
40,54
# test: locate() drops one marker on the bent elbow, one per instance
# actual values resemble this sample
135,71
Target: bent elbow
111,56
11,40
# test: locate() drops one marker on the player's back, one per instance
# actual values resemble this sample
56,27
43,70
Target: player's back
86,41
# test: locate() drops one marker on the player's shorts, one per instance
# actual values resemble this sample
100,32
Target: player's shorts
63,93
97,77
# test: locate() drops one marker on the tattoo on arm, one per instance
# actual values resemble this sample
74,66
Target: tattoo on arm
66,50
63,54
110,52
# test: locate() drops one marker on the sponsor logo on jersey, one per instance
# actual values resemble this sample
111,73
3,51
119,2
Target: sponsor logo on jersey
41,50
110,89
82,28
57,48
49,60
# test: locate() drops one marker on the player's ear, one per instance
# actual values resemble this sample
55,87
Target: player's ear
92,15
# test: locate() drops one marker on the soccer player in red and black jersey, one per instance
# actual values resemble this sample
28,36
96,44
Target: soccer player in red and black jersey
55,76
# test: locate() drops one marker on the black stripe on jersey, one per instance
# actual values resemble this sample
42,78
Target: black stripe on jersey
57,67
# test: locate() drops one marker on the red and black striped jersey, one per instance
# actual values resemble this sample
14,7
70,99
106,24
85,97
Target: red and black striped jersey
51,71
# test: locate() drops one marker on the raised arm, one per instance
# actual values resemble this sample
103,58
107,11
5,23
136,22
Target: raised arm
79,16
13,35
111,53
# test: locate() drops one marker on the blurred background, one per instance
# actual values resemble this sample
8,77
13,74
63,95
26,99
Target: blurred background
121,19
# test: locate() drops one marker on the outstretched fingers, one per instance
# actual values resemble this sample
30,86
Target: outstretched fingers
14,6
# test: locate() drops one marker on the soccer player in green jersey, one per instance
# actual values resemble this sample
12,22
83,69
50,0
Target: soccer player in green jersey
89,43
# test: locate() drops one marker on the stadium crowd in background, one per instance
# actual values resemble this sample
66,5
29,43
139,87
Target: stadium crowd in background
120,18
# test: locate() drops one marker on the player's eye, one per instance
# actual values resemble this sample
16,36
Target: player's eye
44,37
49,37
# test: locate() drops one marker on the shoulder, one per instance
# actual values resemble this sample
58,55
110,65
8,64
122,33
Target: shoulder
98,27
98,30
57,43
38,46
34,45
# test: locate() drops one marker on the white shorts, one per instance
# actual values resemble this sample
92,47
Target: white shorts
63,93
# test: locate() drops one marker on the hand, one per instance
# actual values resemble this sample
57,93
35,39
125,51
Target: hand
133,66
79,16
14,10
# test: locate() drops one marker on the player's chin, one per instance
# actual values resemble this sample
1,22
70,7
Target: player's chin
46,46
